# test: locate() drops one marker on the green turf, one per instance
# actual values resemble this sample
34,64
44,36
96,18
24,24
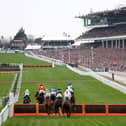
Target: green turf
87,90
20,58
5,83
62,121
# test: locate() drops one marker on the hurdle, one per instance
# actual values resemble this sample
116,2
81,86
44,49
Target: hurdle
77,110
37,66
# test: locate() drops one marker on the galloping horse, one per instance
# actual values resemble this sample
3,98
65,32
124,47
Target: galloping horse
27,99
39,97
72,98
58,106
49,105
53,97
66,107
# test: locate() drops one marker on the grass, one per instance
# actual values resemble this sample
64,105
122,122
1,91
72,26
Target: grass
61,121
19,58
87,90
5,83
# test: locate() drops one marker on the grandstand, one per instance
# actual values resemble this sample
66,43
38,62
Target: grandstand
51,43
94,58
101,46
107,29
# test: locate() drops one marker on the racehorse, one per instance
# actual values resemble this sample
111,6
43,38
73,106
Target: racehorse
53,97
27,99
58,106
39,97
66,107
72,98
49,105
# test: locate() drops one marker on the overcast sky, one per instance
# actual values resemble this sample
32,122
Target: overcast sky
41,17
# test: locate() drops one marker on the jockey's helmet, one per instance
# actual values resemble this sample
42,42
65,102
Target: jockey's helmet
41,84
69,84
53,89
59,90
26,90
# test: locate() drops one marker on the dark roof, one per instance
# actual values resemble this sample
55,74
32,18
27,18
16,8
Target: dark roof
118,11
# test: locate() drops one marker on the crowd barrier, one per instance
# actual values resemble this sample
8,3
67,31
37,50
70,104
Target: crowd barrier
77,109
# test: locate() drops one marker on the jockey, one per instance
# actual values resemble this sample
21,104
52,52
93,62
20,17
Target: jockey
47,94
53,91
67,95
70,88
59,94
27,92
41,89
58,102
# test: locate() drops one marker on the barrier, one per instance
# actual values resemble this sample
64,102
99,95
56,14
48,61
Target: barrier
104,80
4,114
2,72
34,66
77,109
7,111
44,58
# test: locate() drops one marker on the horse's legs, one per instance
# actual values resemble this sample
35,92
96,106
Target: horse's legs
60,111
48,109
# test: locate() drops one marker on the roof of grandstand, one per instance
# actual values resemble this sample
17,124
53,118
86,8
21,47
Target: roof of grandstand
117,11
115,30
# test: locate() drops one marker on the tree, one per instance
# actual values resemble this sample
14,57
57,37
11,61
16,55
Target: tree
21,35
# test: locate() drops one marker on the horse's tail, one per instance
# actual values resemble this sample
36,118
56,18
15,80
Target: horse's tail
67,108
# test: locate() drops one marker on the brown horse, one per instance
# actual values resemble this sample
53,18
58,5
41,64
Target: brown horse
58,106
40,97
66,107
49,105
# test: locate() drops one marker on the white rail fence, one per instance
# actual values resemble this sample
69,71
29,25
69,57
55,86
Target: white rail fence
100,78
7,111
44,58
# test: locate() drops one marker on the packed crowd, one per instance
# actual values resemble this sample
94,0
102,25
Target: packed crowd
114,30
90,57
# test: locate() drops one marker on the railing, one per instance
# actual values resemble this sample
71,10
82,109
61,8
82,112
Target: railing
7,111
44,58
104,80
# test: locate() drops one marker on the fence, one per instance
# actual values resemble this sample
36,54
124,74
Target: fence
44,58
7,111
77,109
4,114
100,78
